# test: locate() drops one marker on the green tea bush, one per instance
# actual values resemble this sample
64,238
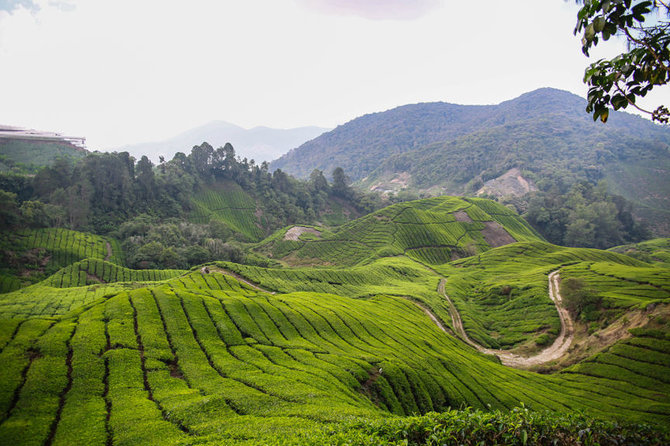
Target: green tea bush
519,426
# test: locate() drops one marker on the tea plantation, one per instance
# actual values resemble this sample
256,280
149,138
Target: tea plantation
356,346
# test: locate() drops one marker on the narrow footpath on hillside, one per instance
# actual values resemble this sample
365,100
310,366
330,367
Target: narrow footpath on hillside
216,269
554,351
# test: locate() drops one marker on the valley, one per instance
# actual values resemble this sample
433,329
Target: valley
408,310
334,223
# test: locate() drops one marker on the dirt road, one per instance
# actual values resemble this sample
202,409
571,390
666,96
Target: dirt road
554,351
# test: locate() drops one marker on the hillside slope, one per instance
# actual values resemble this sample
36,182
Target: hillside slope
35,153
204,358
541,138
30,255
434,231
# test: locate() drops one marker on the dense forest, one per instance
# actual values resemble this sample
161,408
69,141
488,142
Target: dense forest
152,209
585,215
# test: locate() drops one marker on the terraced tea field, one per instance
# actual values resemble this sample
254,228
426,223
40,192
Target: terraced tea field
205,358
49,249
432,231
654,251
227,202
98,354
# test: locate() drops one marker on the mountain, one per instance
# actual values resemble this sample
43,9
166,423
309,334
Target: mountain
361,145
538,139
258,143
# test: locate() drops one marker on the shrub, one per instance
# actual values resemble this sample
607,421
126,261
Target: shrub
580,301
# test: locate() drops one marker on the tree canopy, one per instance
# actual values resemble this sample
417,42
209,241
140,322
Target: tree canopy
619,81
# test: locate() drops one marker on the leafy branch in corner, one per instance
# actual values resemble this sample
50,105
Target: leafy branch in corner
618,82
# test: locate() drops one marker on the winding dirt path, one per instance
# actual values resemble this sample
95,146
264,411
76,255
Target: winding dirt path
554,351
226,272
430,315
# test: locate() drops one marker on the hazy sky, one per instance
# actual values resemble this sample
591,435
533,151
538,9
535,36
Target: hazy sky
127,71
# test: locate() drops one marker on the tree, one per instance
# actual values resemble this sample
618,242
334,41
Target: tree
618,82
9,210
317,181
340,185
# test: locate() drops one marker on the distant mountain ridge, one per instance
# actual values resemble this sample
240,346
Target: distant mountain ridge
360,145
456,149
258,143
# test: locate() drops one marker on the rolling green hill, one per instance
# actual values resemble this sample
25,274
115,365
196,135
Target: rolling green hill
209,359
359,350
434,231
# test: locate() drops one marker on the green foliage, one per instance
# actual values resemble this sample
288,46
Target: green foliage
173,244
580,301
518,426
587,216
618,82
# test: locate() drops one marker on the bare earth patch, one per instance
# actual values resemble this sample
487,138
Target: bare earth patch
296,231
462,216
510,183
495,235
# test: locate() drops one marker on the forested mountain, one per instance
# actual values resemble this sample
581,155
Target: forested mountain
543,135
258,143
360,145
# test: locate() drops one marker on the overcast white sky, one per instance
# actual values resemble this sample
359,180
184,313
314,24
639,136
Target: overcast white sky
128,71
